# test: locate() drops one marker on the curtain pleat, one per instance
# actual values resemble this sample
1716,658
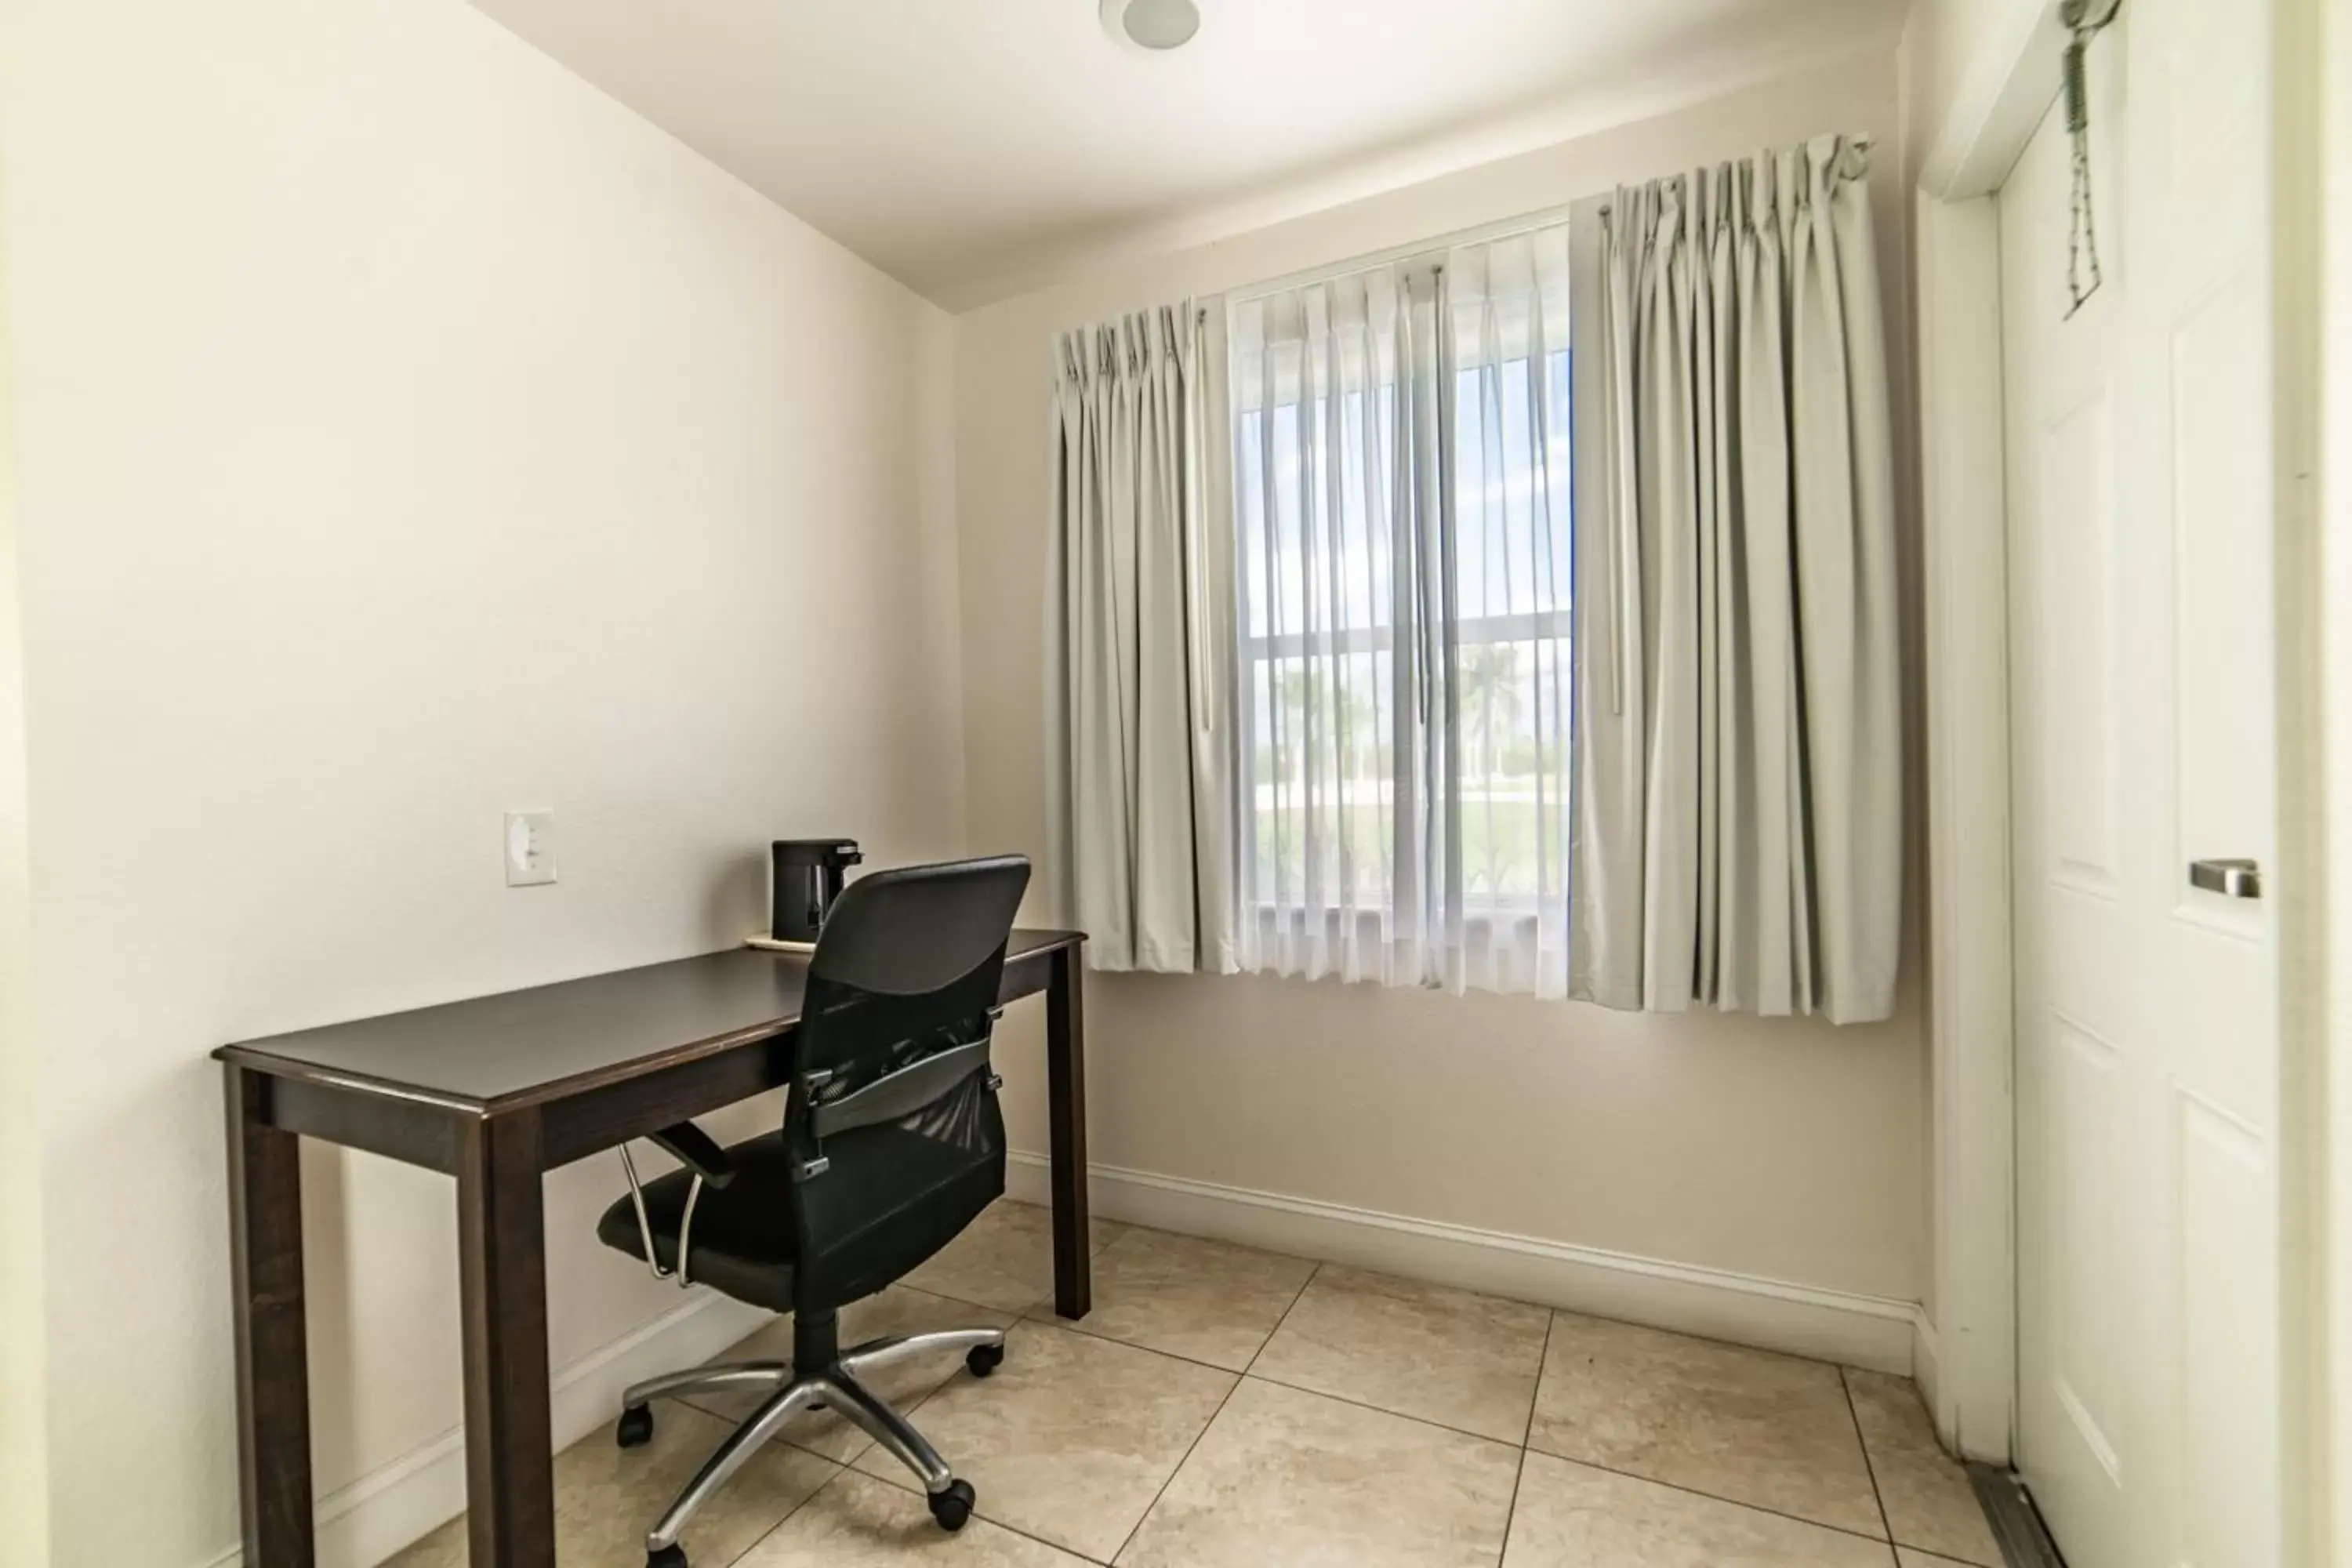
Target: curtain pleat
1741,718
1138,738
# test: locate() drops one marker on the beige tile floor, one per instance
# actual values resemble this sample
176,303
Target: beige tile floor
1223,1407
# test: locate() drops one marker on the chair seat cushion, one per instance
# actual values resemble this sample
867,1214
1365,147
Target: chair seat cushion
742,1236
891,1197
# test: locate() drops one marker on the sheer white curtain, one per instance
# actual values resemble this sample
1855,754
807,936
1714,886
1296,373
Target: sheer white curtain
1400,511
1508,350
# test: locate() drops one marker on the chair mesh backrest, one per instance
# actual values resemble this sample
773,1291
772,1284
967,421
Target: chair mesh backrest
907,966
904,954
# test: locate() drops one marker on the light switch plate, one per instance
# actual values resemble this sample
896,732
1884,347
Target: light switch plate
531,848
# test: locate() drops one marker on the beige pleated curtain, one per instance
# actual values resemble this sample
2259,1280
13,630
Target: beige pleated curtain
1137,646
1738,822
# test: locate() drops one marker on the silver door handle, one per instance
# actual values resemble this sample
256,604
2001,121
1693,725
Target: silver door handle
2230,878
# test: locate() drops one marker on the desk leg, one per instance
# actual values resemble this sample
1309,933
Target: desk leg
1065,1090
502,1277
273,1370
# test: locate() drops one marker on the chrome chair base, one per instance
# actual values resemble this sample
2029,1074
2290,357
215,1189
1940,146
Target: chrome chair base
836,1387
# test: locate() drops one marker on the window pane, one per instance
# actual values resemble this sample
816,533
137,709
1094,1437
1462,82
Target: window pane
1346,728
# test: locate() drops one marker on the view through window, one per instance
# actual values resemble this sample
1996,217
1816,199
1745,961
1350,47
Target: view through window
1366,502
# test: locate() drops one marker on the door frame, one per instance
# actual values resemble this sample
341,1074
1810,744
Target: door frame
1967,1351
2312,117
1968,1354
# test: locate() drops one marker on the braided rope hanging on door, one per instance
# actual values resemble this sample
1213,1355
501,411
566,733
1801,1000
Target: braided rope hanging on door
2082,19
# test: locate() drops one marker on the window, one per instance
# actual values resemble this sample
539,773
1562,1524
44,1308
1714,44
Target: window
1401,505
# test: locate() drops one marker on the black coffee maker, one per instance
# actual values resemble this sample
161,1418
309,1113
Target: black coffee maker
808,877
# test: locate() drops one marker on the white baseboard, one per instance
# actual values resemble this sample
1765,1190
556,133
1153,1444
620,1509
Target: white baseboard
1926,1361
361,1525
1829,1325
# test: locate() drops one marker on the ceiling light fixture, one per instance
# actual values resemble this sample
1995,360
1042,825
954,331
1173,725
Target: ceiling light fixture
1153,25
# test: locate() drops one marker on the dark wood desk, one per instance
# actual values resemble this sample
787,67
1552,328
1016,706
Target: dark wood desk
496,1092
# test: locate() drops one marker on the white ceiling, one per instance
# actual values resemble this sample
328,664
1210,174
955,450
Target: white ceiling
975,148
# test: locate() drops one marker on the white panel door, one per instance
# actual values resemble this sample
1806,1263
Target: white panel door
2143,658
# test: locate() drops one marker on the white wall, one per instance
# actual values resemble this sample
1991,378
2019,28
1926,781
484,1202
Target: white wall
1782,1149
405,432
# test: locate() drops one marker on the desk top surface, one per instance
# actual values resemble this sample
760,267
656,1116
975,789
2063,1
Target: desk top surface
573,1035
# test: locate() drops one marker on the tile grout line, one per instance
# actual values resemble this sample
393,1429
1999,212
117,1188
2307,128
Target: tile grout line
1239,1378
1543,1362
900,1481
1887,1541
1526,1432
1526,1445
1127,1227
1251,1374
1096,1252
1518,1478
1144,1518
745,1555
1077,1326
1016,1530
1845,1379
1040,1311
1318,1264
1096,1339
1869,1469
1383,1410
694,1401
1553,1315
1314,1273
1034,1302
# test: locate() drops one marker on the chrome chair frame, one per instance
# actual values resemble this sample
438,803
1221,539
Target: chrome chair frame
834,1387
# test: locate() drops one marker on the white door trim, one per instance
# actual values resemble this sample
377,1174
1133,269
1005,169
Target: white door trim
1957,230
2331,135
1974,1386
2311,109
2008,86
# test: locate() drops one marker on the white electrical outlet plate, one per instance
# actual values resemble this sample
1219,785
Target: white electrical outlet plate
531,848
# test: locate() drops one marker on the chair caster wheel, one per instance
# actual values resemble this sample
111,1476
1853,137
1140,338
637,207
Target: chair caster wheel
667,1557
983,1359
951,1506
635,1430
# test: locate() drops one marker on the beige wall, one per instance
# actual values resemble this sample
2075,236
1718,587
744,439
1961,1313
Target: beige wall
1785,1149
24,1433
1964,100
1940,47
1946,45
405,433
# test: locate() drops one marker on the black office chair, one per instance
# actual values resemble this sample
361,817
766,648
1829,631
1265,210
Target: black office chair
892,1143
